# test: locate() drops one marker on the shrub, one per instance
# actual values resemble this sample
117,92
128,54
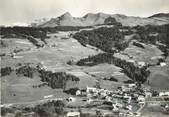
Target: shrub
113,79
71,91
26,71
129,81
107,103
4,111
6,71
18,114
50,109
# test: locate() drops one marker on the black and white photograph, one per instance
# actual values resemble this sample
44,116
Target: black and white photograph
84,58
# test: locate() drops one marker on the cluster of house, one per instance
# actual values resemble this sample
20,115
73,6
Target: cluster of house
126,100
123,100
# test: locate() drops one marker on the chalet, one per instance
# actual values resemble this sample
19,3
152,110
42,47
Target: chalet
90,89
131,85
115,108
48,96
148,94
118,105
141,64
129,107
73,114
41,66
164,94
117,73
166,106
89,100
12,54
128,98
17,57
162,64
124,89
137,114
108,98
6,105
141,99
73,40
78,93
89,95
71,99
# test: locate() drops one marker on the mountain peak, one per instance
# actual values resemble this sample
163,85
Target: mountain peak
67,15
88,15
95,15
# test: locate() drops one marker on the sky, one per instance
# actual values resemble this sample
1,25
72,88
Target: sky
26,11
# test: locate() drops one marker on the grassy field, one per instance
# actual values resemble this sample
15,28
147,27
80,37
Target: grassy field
148,54
159,78
20,90
153,111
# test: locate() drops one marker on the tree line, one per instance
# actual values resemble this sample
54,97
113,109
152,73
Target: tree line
29,33
57,79
47,109
135,73
21,31
36,32
53,79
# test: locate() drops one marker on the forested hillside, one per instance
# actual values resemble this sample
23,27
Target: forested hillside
103,38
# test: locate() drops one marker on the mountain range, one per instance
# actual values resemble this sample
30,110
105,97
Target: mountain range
92,19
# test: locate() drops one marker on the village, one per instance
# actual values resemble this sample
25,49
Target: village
126,100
